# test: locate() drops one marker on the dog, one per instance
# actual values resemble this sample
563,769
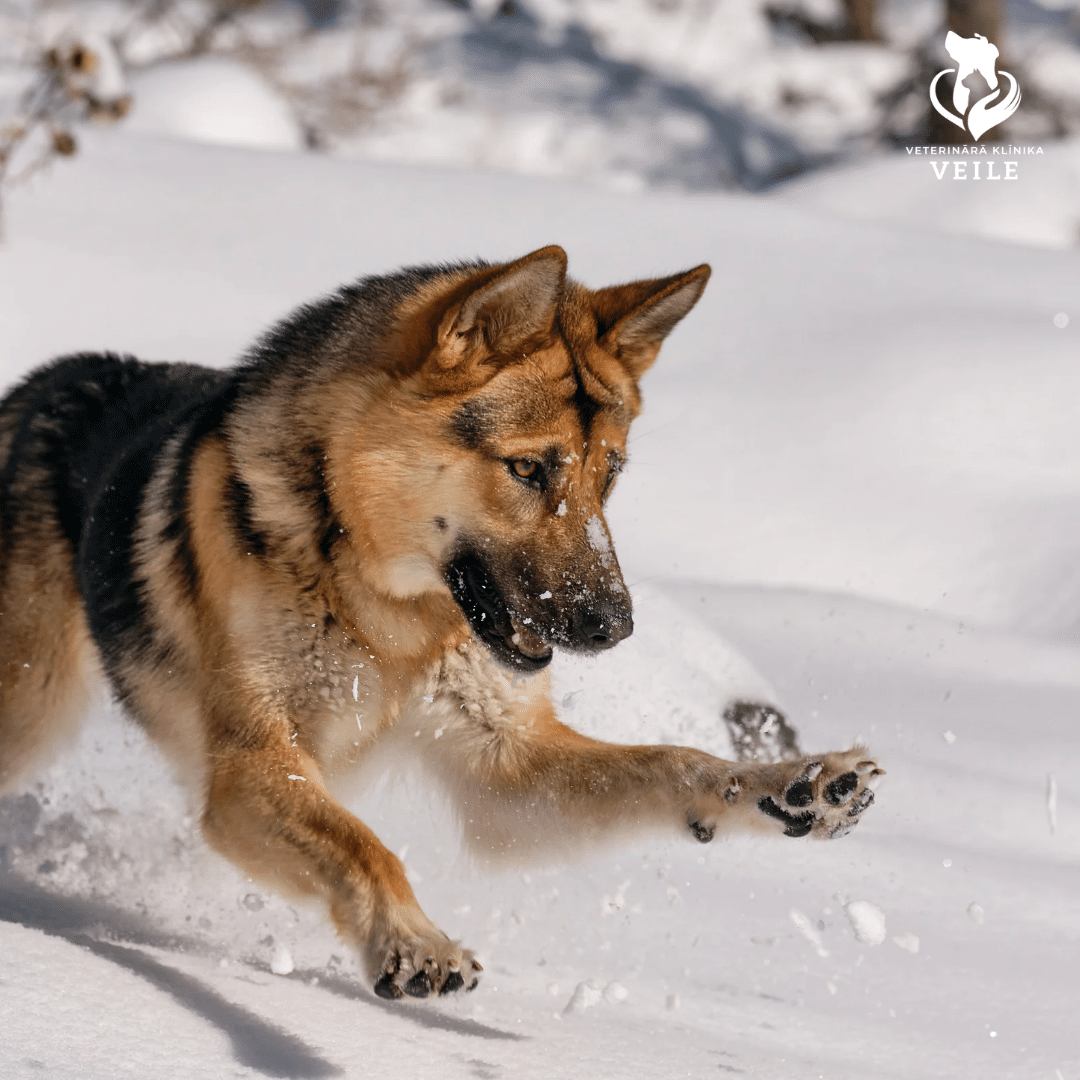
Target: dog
384,518
971,55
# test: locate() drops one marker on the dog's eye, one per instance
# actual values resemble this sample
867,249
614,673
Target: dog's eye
528,471
616,467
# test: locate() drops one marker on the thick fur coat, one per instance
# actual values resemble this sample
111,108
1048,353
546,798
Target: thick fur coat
389,513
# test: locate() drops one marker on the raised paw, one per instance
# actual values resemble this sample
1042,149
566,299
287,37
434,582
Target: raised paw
760,732
824,795
422,969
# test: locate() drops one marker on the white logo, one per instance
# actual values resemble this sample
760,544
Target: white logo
976,54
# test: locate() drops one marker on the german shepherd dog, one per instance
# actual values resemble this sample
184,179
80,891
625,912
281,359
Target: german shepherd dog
385,517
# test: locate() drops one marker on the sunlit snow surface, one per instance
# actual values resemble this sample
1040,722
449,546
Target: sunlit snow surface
857,424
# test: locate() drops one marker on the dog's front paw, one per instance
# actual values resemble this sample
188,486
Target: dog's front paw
421,968
825,795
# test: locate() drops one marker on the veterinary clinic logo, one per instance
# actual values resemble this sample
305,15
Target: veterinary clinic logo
971,55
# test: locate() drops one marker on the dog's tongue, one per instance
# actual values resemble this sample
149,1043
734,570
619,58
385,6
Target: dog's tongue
527,641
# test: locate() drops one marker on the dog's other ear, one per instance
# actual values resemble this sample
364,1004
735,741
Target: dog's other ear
633,320
503,313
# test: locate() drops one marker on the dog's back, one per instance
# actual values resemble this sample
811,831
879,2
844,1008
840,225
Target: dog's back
78,441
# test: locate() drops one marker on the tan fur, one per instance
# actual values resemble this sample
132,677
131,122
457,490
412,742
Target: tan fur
284,668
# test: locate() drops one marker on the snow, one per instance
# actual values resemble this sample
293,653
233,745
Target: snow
212,100
907,942
1040,208
853,495
806,927
867,921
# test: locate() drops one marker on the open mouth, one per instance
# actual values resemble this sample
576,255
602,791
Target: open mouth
512,642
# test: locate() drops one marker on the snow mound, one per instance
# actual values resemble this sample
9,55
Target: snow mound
867,920
213,100
670,681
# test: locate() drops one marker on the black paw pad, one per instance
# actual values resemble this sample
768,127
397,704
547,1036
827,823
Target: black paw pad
454,981
799,794
419,986
702,833
386,987
797,824
860,802
841,788
802,827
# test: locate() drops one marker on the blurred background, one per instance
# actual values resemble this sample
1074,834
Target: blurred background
683,95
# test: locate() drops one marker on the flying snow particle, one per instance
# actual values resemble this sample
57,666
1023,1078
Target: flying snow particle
560,510
296,776
949,737
282,963
585,996
615,991
1051,802
907,942
1061,320
867,920
546,595
356,688
808,930
975,913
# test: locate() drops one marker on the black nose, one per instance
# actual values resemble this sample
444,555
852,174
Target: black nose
596,630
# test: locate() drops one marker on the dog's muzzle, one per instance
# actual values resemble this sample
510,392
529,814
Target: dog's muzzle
479,598
590,625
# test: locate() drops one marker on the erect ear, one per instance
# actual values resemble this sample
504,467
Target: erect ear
633,320
505,311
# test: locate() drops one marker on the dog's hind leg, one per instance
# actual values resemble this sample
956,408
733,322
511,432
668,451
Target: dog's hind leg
47,659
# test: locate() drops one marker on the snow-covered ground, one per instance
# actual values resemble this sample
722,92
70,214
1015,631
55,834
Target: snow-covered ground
1041,207
854,491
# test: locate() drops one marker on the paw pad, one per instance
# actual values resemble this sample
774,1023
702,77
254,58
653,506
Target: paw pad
797,824
430,975
861,802
839,790
801,792
419,986
387,988
825,797
702,833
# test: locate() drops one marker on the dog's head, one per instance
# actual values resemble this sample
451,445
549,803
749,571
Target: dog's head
506,433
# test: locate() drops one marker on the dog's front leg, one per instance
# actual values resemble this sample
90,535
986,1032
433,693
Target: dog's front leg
525,780
268,811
